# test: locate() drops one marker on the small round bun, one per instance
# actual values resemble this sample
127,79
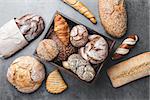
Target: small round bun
79,36
47,49
26,74
96,50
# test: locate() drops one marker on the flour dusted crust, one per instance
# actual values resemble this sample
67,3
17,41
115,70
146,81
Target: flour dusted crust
79,66
55,83
130,70
30,25
113,17
47,49
79,36
18,32
26,74
96,50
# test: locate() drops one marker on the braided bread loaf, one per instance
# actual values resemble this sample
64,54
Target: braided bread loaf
125,47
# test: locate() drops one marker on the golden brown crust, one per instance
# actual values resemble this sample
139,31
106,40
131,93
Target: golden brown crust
113,17
61,29
47,49
55,83
130,70
26,74
79,6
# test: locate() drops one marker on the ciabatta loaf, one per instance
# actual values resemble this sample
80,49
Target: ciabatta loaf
130,70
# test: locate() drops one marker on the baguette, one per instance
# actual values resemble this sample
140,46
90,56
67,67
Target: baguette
79,6
130,70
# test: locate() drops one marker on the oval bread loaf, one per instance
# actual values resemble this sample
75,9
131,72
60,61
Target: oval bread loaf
113,17
130,70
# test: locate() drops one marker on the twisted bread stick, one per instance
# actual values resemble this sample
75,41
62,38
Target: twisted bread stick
79,6
125,47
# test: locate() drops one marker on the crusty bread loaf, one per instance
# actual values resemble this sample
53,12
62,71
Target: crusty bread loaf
26,74
113,17
130,70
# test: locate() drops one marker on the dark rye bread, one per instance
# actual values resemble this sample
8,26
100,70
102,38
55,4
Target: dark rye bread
113,17
130,70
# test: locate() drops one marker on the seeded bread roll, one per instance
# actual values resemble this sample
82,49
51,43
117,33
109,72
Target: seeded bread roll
130,70
113,17
26,74
47,49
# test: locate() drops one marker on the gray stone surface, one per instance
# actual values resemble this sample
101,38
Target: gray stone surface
138,22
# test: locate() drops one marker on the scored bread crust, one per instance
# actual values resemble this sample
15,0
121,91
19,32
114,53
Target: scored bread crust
55,83
130,70
47,49
113,17
26,74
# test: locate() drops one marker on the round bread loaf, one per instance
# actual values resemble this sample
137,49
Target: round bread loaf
30,26
96,50
79,36
26,74
47,49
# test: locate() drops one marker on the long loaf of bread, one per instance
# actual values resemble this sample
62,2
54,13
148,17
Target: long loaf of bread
79,6
130,70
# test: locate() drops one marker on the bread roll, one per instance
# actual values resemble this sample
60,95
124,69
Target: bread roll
47,49
79,36
96,50
79,66
130,70
113,17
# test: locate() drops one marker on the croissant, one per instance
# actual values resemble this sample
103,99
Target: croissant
79,6
61,29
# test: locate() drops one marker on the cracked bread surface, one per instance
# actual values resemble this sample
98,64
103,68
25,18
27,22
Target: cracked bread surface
26,74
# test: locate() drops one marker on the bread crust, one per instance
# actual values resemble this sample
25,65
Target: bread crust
26,74
130,70
113,17
55,83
